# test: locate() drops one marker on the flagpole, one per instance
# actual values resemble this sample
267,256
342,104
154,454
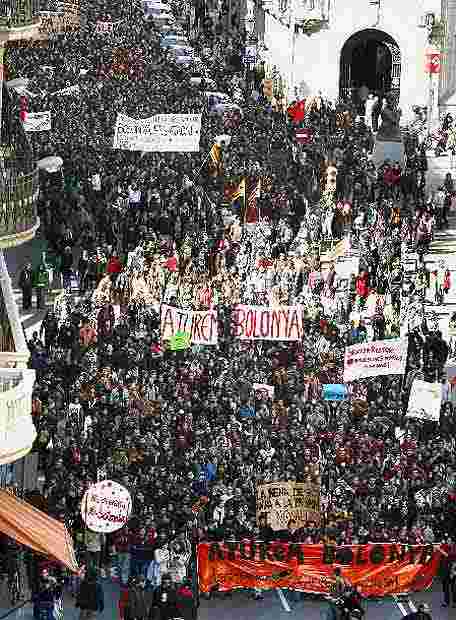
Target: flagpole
202,166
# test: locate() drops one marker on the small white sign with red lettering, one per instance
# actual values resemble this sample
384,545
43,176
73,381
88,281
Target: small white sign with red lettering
106,507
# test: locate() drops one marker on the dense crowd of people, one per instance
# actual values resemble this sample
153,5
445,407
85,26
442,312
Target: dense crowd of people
127,232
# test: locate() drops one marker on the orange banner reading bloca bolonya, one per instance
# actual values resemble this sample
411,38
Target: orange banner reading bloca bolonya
376,569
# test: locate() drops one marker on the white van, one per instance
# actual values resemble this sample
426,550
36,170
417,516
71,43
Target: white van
159,12
214,99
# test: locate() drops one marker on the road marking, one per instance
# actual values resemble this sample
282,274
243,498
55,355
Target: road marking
283,600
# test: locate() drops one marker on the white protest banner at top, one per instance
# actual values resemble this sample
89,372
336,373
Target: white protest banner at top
202,325
373,359
164,133
425,400
267,323
69,90
37,121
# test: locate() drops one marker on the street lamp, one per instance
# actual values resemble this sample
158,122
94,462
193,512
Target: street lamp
427,22
376,3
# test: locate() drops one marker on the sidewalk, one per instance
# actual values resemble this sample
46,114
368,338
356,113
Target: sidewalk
444,245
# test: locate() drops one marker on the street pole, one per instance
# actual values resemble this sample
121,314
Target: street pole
430,104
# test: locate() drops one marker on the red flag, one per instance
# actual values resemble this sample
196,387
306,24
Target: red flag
251,211
297,111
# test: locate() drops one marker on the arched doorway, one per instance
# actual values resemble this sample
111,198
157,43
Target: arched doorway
370,58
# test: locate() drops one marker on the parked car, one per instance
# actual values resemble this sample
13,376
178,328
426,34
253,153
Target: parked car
159,13
170,40
156,5
215,98
181,51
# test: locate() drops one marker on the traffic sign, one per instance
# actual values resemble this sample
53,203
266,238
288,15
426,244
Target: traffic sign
432,62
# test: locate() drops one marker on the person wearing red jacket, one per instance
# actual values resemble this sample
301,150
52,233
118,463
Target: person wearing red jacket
388,179
114,265
396,173
362,285
122,541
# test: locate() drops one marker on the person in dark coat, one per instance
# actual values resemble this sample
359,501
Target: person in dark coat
83,268
67,266
447,574
26,286
90,598
105,321
50,327
164,606
139,600
44,600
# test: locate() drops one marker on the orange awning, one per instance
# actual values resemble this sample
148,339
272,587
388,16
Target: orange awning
35,529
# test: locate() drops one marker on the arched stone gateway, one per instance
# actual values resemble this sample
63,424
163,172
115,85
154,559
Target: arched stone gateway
370,58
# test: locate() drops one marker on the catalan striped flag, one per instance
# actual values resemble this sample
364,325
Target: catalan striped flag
215,160
251,211
266,184
238,196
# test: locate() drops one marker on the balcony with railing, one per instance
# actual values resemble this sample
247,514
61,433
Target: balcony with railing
19,187
17,431
18,214
19,19
309,15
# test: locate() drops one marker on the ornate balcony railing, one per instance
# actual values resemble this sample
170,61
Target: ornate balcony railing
17,431
18,213
310,15
18,22
18,13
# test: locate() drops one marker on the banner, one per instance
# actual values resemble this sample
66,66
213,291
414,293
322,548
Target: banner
281,502
69,90
334,391
105,27
425,400
202,325
348,267
37,121
181,341
376,569
106,507
161,133
373,359
267,323
247,412
263,391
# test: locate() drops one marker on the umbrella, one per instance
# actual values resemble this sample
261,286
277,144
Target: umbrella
50,164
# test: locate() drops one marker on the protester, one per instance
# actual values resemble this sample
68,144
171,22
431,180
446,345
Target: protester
113,400
90,598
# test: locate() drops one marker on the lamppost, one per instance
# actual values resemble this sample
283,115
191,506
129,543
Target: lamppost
432,66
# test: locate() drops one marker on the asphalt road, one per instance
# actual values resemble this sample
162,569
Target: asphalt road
241,606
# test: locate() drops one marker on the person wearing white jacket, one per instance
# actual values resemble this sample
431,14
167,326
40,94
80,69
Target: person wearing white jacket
160,566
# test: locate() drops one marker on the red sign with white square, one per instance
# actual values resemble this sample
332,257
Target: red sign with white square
432,63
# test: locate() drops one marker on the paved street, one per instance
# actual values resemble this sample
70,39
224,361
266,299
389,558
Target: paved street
16,259
242,607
